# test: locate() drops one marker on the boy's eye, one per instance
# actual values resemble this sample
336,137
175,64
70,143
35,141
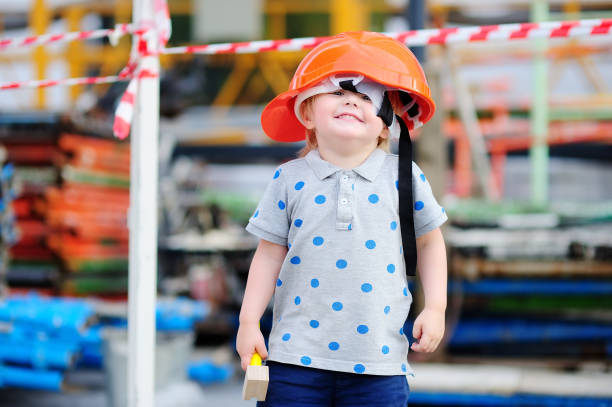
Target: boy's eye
338,92
366,97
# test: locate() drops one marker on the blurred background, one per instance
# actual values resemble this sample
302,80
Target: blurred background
519,153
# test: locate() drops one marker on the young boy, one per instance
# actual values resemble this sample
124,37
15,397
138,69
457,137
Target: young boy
340,229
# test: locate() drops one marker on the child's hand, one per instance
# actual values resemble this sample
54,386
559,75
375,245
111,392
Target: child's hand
248,341
428,330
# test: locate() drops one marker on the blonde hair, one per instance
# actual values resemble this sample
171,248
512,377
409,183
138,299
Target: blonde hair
311,137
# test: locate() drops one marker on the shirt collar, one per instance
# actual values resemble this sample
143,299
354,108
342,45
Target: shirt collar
369,169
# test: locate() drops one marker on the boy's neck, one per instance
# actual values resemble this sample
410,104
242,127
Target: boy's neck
345,159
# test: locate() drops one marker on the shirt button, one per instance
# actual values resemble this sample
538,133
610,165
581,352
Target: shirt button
345,178
344,201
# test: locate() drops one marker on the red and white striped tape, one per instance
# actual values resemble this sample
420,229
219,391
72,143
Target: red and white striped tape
125,110
161,25
506,32
44,39
46,83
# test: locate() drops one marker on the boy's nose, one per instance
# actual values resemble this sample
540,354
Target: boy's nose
351,98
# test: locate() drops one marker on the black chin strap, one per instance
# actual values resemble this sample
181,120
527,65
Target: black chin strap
386,111
406,202
348,85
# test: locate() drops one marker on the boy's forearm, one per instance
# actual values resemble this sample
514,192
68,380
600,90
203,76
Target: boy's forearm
431,265
261,281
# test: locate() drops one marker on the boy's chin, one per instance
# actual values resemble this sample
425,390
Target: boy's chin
353,142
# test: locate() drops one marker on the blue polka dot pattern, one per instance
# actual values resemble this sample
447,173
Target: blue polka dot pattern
393,225
314,283
359,368
317,241
334,346
403,367
350,226
314,323
299,185
306,360
373,198
391,268
423,177
281,205
341,263
387,309
385,350
256,214
277,173
396,184
418,205
405,291
279,282
298,222
295,260
443,210
337,306
370,244
363,329
366,287
401,331
286,337
320,199
297,300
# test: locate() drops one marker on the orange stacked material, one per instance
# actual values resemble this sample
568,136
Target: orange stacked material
88,215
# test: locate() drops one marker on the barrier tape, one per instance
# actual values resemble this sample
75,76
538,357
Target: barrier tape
112,33
506,32
46,83
161,25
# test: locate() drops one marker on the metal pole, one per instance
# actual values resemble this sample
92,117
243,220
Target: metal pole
415,15
469,118
142,222
538,153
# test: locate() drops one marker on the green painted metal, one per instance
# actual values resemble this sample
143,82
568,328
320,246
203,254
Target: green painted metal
549,303
565,114
539,113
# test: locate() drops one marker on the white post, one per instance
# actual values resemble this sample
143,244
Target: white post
142,222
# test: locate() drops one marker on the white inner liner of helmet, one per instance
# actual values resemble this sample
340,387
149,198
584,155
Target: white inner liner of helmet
374,90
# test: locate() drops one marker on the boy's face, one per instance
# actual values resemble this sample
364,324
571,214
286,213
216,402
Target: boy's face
343,115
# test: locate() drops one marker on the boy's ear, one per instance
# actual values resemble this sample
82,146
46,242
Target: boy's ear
307,117
306,113
384,134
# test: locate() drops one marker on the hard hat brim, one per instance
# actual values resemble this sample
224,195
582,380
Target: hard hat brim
280,123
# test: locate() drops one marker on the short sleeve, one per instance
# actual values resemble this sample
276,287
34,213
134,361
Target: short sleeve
270,221
428,214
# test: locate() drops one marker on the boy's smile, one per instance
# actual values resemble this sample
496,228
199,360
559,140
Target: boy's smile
349,116
344,116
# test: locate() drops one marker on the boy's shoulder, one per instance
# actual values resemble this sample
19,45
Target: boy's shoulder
292,167
294,163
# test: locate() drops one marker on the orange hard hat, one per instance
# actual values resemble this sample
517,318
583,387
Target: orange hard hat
375,56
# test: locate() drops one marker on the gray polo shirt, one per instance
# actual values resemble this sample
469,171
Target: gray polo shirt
342,297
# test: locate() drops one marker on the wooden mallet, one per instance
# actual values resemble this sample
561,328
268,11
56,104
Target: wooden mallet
255,380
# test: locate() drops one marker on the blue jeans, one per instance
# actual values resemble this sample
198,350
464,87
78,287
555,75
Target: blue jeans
298,386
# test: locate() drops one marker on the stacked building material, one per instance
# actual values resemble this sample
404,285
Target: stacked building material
87,215
535,286
71,207
42,340
44,337
29,141
8,235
